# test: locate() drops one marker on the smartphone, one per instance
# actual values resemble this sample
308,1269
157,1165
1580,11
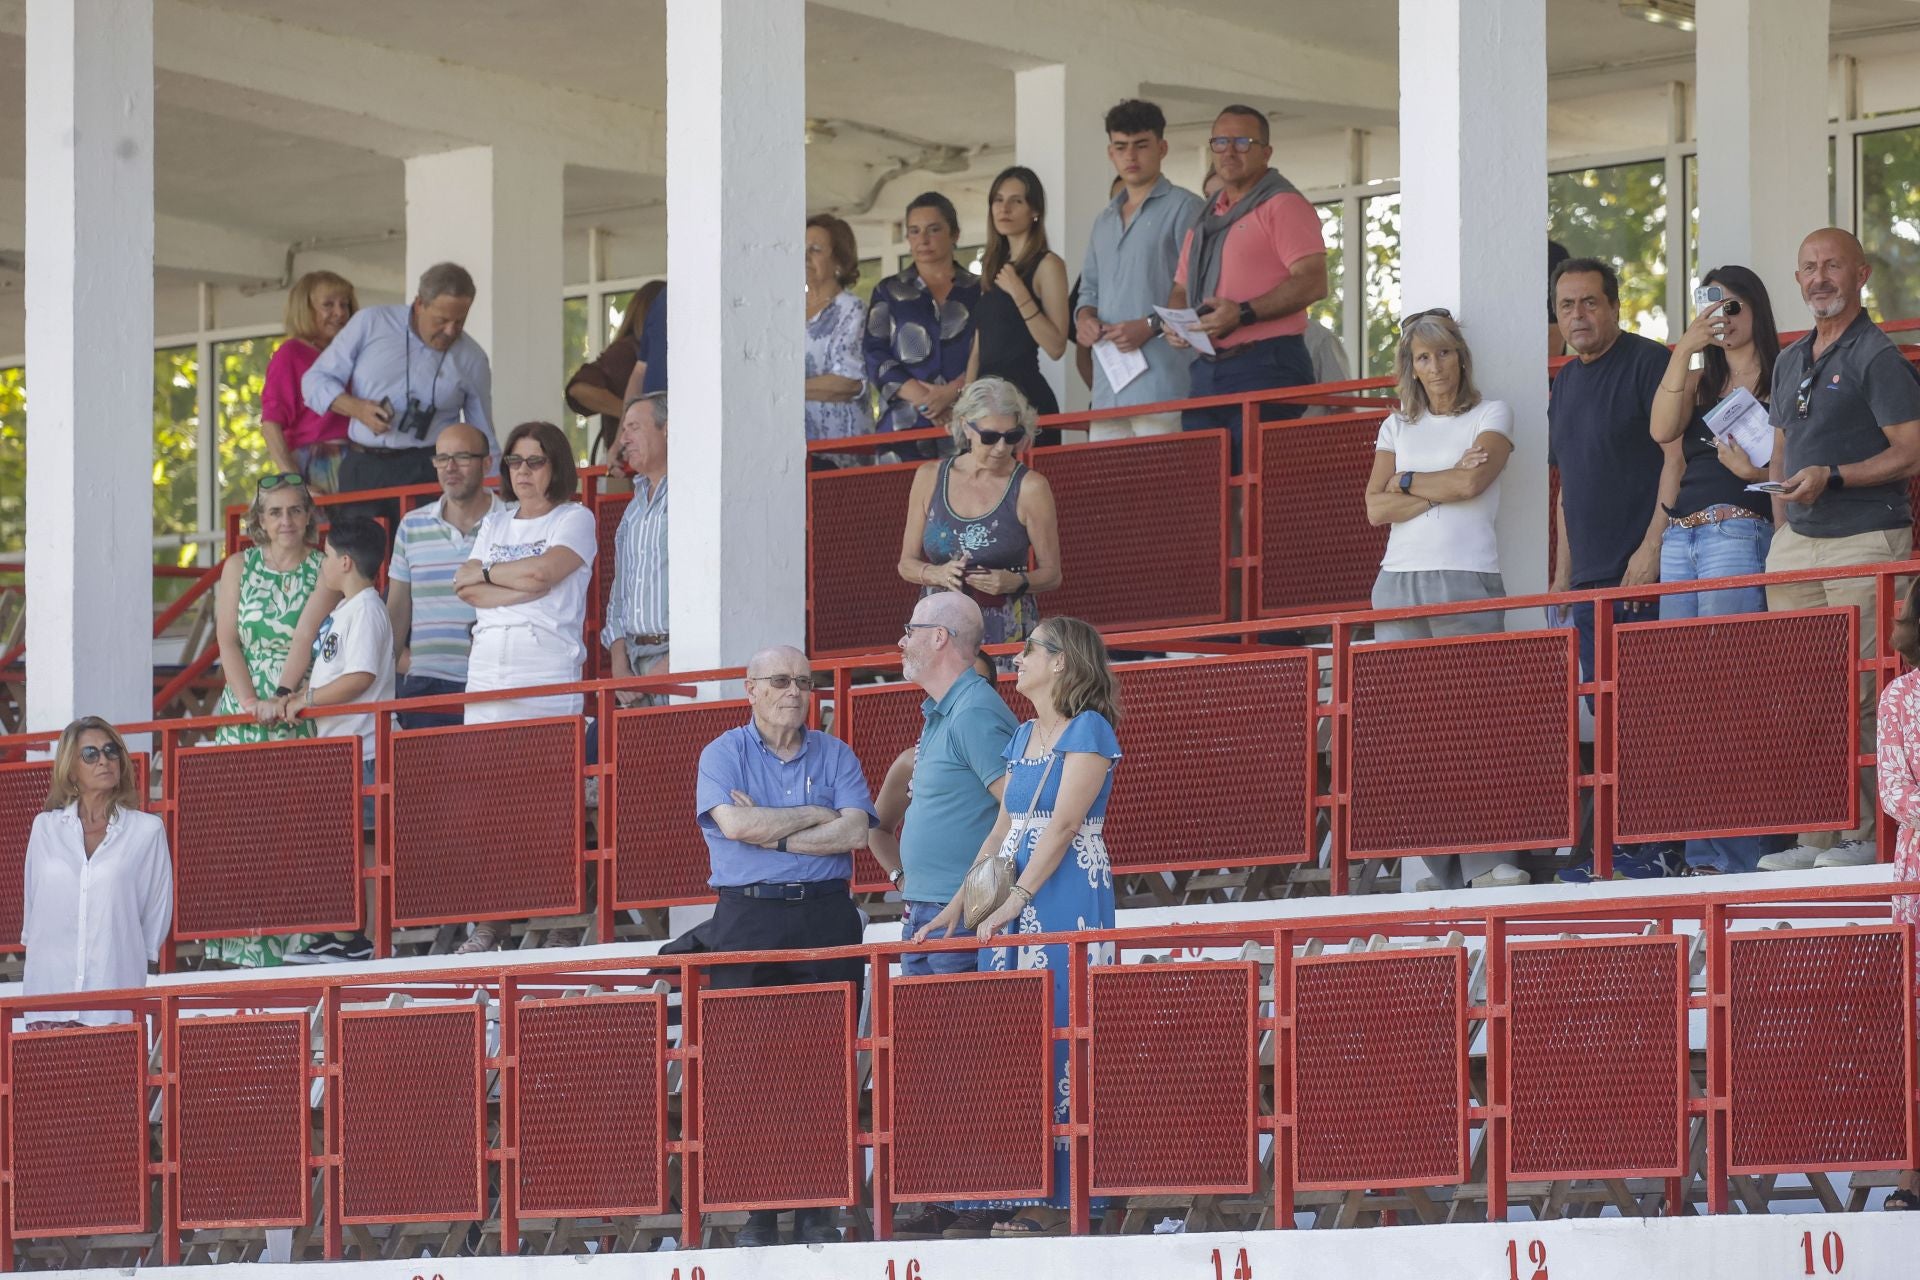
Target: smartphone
1706,295
1768,486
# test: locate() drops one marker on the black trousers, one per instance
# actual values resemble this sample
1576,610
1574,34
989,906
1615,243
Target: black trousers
382,469
762,924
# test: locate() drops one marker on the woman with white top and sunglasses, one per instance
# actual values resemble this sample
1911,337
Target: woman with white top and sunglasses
973,518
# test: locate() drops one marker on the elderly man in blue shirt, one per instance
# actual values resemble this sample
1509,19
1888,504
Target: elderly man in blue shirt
402,374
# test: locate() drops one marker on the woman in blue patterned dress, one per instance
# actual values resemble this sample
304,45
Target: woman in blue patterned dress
920,325
1067,753
836,388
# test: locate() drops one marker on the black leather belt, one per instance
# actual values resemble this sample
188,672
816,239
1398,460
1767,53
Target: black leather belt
791,891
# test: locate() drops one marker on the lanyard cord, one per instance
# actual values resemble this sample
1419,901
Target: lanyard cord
433,392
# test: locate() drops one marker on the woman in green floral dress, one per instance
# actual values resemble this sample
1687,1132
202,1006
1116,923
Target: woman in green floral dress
262,592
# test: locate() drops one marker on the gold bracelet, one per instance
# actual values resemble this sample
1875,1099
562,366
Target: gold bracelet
1026,894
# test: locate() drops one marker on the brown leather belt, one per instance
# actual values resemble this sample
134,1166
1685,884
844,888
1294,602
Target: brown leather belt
1712,515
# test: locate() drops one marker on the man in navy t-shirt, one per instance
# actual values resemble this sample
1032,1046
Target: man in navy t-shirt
1615,481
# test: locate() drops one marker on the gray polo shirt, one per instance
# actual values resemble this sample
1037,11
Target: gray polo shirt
1856,389
1127,272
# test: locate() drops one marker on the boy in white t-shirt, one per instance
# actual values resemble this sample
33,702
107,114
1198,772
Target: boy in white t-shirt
352,663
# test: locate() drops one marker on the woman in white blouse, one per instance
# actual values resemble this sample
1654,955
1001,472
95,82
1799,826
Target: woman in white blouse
98,870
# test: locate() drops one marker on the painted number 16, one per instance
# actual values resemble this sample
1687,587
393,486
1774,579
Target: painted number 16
1242,1268
1536,1254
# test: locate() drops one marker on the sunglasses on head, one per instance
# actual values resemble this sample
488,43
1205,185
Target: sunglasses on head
93,754
991,438
282,480
1441,312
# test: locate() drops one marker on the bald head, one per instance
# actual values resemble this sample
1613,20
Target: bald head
466,452
957,612
1831,271
777,659
1834,240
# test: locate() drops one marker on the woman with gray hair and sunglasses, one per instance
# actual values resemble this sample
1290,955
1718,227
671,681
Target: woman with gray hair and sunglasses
1435,471
974,519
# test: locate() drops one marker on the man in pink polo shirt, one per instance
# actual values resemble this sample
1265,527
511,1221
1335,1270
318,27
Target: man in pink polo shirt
1252,264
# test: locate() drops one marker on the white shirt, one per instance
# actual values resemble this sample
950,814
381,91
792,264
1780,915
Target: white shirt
355,637
1452,535
504,536
91,924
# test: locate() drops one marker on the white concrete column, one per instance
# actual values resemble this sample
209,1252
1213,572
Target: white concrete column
89,295
497,211
736,217
1761,107
1059,111
1473,217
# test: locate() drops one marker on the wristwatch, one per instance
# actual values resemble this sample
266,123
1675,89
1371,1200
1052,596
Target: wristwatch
1155,325
782,846
896,875
1406,483
486,573
1248,315
1834,479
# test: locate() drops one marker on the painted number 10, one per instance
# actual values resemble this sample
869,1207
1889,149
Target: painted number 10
1242,1268
1833,1254
1536,1255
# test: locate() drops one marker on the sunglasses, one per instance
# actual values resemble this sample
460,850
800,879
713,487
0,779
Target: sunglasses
784,682
1222,145
282,480
1441,312
524,462
1035,642
1803,397
93,755
991,438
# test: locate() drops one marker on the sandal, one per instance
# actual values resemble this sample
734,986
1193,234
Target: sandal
1902,1198
1024,1225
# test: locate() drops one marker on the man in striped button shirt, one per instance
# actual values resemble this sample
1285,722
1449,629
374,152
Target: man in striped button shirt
432,625
636,629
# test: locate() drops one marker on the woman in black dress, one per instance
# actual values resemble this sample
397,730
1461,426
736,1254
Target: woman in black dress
1023,303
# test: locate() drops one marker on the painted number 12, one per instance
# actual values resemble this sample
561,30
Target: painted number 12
1242,1268
1536,1254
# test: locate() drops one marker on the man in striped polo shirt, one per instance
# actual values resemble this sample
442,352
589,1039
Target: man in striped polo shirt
431,626
636,631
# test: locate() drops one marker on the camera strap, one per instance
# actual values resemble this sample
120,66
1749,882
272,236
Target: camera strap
433,392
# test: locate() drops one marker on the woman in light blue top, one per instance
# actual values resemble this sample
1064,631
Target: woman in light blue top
1065,755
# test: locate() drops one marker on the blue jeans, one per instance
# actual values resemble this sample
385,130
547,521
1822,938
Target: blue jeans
919,964
1262,366
1727,549
366,802
412,686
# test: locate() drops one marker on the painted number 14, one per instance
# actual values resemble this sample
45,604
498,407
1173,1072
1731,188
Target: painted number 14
1242,1268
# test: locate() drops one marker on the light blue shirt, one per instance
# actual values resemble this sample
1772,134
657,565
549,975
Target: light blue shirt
826,773
960,755
1127,272
379,356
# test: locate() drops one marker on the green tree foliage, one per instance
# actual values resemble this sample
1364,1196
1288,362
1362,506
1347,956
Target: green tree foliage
176,441
1619,215
1332,232
1889,174
1380,271
13,459
242,454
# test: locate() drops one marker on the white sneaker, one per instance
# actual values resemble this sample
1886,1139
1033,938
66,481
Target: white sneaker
1799,858
1850,853
1505,876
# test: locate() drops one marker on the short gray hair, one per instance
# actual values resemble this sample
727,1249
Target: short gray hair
990,397
658,399
445,280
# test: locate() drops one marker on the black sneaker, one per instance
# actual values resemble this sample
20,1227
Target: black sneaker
334,948
762,1229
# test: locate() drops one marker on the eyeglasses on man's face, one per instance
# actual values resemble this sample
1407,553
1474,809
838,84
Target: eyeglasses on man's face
782,682
1241,144
460,459
912,627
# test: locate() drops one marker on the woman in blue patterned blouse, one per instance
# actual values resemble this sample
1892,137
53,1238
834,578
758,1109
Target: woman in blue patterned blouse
920,324
836,390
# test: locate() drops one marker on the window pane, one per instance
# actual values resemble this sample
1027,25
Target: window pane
243,449
1381,218
970,257
1693,224
617,304
1890,221
1619,215
176,438
13,459
869,277
1332,231
574,353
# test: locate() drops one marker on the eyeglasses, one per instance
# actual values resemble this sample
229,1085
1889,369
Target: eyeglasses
1242,144
459,459
524,462
1803,396
282,480
783,681
991,438
928,626
1441,312
92,755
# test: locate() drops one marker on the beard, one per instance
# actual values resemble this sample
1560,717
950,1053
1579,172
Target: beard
1827,307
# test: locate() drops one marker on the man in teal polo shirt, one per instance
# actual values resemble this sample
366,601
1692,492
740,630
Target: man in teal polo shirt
958,771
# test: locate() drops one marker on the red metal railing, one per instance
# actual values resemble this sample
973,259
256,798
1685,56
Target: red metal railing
1352,1068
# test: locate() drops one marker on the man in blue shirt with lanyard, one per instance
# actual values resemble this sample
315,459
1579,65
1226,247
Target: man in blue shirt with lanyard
782,808
402,374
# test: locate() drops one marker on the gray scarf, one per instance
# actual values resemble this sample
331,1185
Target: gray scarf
1210,235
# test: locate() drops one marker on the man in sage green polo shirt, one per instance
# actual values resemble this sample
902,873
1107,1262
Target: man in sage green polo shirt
959,767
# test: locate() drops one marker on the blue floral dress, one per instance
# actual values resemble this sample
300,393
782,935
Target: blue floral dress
1078,895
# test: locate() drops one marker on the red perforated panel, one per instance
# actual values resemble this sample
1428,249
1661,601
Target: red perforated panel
243,1121
1179,1037
972,1076
660,856
607,511
487,821
1380,1069
592,1106
855,519
776,1097
236,875
1782,761
23,795
1821,1053
78,1145
1316,548
413,1115
1460,746
1597,1059
1142,530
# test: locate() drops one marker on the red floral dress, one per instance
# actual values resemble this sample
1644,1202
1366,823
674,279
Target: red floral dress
1899,772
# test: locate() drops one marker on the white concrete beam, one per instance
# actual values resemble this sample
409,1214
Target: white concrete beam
218,253
736,174
1473,217
1178,45
339,80
89,294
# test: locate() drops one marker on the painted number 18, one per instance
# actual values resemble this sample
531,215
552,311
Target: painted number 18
1242,1268
1833,1254
1536,1254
